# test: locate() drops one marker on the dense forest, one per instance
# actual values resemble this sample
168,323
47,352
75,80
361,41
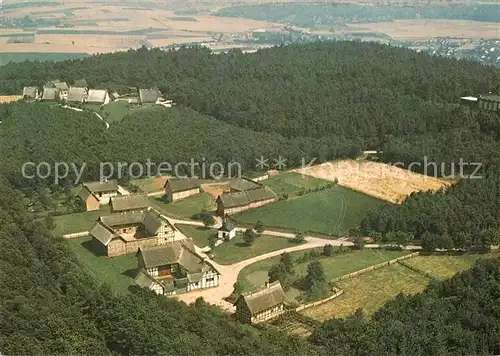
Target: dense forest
50,306
314,15
319,100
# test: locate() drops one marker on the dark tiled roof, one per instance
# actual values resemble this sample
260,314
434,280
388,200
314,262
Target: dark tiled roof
230,200
85,193
61,86
29,92
144,279
99,187
148,95
102,233
114,220
228,225
182,184
50,94
130,202
243,184
76,94
181,252
264,298
97,96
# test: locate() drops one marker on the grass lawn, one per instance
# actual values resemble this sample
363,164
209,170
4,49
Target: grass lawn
293,183
338,265
119,272
370,291
236,250
78,222
330,212
185,208
199,234
443,267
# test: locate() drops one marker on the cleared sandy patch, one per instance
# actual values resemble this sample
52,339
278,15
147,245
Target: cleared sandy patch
10,98
421,29
379,180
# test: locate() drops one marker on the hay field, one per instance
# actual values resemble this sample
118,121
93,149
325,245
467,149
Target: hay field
424,28
370,291
383,181
10,98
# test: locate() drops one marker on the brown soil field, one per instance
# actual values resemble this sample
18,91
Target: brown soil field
422,29
379,180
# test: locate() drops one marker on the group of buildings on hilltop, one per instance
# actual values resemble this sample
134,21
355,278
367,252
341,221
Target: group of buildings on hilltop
168,263
79,93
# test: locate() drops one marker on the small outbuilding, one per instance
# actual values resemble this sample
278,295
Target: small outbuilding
260,305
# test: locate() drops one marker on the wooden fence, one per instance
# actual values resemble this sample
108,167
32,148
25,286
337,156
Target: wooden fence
319,302
374,267
75,235
416,269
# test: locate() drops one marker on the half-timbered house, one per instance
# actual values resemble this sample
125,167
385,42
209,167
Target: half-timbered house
260,305
174,268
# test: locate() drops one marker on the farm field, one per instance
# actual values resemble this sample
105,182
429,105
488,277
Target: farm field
426,28
370,291
443,267
335,266
379,180
199,234
186,208
293,184
7,57
118,272
236,250
331,212
78,222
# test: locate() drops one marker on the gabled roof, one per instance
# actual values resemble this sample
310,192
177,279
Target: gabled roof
50,94
263,298
115,220
85,193
76,94
241,184
490,97
182,184
51,84
144,279
148,95
82,83
97,96
30,92
102,233
246,197
228,225
99,187
61,86
129,202
181,252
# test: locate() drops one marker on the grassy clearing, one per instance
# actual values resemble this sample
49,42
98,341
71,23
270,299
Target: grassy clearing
199,234
338,265
118,272
443,267
236,250
331,212
115,111
370,291
7,57
185,208
294,183
78,222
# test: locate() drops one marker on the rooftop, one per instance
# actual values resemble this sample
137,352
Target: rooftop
76,94
129,202
264,298
97,96
182,184
99,187
246,197
148,96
